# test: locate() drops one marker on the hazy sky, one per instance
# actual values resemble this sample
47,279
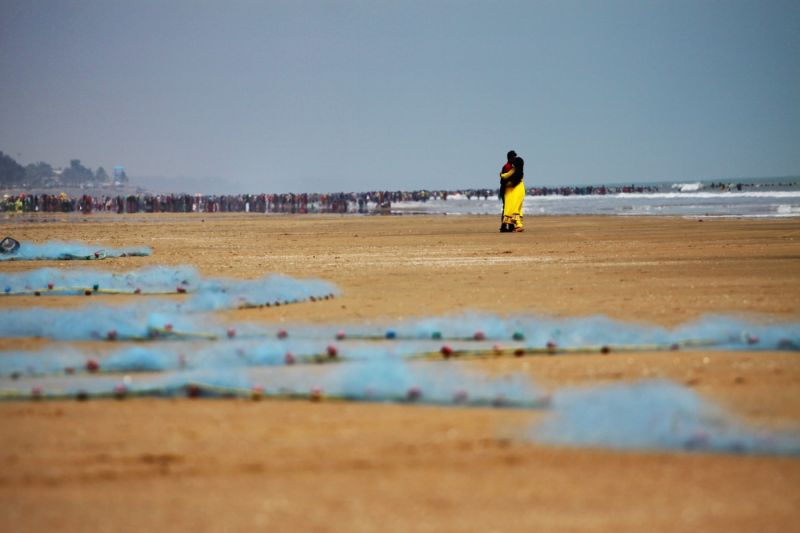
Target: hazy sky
358,95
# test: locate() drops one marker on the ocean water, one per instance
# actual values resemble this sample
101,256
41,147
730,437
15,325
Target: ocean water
756,198
691,204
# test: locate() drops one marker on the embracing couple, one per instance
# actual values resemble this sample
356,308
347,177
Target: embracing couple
512,192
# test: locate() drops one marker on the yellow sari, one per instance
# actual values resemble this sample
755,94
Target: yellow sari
513,197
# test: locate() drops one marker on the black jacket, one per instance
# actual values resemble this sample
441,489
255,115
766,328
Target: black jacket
519,171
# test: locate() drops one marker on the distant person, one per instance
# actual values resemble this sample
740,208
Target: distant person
512,190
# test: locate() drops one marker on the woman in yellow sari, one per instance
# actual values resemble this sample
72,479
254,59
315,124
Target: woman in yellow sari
512,188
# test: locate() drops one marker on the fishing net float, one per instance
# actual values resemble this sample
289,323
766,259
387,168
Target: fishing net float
13,250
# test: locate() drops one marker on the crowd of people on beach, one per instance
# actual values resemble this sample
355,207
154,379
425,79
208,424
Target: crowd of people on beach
185,203
361,202
587,190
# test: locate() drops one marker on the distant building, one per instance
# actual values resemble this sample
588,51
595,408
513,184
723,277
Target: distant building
119,175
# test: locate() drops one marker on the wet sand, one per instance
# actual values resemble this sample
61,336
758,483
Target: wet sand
232,465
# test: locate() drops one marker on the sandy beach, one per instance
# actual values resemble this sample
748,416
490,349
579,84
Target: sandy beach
233,465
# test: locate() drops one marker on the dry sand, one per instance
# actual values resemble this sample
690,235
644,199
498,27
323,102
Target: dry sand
232,465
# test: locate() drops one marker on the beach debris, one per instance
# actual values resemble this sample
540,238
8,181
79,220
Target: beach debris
9,246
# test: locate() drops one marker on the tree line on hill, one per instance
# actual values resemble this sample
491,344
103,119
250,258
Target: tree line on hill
42,174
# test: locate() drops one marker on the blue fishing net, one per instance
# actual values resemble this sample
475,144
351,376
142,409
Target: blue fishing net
653,415
65,251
